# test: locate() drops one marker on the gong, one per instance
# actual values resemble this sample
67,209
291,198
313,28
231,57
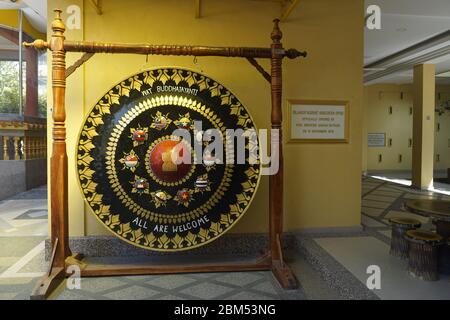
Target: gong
154,187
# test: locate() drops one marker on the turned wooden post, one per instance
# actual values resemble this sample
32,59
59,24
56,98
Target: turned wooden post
58,161
276,180
279,268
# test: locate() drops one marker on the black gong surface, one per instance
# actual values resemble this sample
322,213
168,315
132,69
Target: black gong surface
153,171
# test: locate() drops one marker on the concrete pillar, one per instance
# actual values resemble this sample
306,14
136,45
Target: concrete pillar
423,126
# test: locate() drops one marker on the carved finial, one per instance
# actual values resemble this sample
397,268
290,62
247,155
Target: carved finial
38,44
276,34
57,13
57,24
294,53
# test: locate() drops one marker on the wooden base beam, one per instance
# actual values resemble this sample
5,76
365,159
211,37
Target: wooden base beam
98,270
284,275
48,284
57,275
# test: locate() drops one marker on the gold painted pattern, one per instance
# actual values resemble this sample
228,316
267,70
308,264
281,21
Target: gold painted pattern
111,219
114,179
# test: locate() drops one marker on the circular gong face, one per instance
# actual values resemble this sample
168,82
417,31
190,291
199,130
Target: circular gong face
159,164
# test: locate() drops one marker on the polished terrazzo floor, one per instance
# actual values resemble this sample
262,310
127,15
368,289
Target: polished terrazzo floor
24,214
23,229
328,265
383,200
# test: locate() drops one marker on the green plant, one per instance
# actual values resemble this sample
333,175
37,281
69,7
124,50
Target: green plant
9,87
42,104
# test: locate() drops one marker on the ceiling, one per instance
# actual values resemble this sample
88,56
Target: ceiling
405,23
34,10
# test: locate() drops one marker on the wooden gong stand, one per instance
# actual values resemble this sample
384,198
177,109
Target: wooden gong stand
62,256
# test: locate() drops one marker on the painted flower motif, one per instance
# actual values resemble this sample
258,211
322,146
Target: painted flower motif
140,185
160,121
160,198
184,122
184,197
130,161
139,135
202,184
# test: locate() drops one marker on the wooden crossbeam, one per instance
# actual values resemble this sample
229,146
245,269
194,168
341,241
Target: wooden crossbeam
287,8
97,7
85,57
260,69
197,4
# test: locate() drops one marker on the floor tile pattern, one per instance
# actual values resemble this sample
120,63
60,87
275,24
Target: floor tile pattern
327,265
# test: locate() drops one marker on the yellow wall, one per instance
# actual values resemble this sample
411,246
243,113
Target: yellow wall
365,105
331,32
398,126
442,140
10,18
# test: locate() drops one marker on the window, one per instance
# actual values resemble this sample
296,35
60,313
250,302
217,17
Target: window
9,86
42,85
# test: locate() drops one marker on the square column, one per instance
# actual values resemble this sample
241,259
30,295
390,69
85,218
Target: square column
423,126
31,99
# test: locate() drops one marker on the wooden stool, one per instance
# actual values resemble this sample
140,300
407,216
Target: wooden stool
423,254
399,245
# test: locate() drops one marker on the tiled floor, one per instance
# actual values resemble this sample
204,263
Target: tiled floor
381,201
23,229
223,286
357,253
328,266
404,177
25,214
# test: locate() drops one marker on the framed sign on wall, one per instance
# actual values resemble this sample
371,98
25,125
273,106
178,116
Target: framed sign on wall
318,121
376,139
